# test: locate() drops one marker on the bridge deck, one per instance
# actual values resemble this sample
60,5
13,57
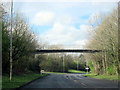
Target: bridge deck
66,51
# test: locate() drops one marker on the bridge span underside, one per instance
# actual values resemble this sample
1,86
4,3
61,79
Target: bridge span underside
66,51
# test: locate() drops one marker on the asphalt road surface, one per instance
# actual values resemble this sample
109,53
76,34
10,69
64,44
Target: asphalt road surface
71,81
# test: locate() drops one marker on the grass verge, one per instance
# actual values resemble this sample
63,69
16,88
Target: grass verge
107,77
56,72
0,82
20,80
75,71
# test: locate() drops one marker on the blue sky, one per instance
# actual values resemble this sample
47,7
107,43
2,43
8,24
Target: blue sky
63,23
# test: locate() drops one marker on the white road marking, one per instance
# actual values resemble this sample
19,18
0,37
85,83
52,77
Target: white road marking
83,84
75,80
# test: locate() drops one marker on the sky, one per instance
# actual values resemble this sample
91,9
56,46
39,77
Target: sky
63,22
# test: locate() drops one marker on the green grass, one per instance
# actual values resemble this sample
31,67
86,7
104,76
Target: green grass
0,82
56,72
108,77
20,80
75,71
69,71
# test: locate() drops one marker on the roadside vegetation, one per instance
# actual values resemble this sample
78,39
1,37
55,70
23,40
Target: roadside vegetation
55,63
75,71
56,72
25,65
104,36
107,77
19,80
69,71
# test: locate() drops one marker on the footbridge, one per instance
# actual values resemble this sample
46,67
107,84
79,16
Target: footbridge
38,51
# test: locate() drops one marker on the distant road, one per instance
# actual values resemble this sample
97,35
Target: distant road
71,81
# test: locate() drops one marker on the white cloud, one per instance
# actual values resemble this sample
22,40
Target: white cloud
66,35
66,19
43,18
94,17
78,44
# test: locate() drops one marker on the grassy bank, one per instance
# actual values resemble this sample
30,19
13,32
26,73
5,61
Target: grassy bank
20,80
56,72
75,71
107,77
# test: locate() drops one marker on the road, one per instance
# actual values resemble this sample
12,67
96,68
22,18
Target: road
71,81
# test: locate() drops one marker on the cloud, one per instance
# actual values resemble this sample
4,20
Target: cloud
43,18
66,35
94,17
80,43
66,19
